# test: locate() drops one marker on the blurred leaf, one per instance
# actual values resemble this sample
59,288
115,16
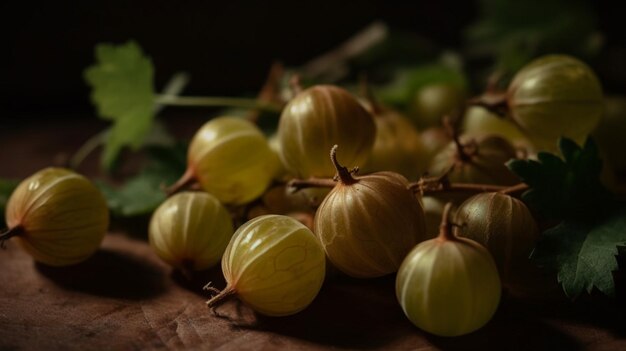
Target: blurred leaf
6,189
514,32
568,187
407,80
122,90
583,252
143,193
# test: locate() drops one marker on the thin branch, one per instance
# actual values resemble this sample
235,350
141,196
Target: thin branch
270,92
87,148
298,184
427,186
174,87
515,189
331,65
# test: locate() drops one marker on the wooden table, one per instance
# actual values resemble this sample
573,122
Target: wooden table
125,298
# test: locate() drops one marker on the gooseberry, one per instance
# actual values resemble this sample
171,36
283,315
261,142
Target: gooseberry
315,120
274,264
448,286
555,96
190,231
368,224
58,216
231,159
501,223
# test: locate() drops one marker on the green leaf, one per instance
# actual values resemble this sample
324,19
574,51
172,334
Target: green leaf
123,92
568,187
583,252
6,189
143,193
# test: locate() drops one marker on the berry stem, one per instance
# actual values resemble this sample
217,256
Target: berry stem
185,181
445,232
221,297
342,172
9,233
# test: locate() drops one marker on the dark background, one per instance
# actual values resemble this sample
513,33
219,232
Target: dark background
227,46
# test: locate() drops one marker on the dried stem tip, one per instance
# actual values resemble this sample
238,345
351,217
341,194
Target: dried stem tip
342,172
221,297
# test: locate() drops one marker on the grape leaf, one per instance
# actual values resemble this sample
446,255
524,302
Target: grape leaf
143,193
123,92
6,189
583,252
568,187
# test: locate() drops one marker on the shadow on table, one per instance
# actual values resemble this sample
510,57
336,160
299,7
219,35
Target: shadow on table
512,328
348,313
109,273
365,315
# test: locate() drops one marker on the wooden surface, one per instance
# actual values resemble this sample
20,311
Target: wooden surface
125,298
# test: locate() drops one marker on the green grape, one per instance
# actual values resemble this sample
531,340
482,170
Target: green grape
274,264
231,159
504,225
397,147
368,224
190,231
57,216
448,286
315,120
555,96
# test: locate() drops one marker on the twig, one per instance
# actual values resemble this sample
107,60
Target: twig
298,184
270,92
428,186
331,65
